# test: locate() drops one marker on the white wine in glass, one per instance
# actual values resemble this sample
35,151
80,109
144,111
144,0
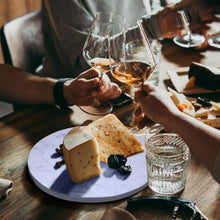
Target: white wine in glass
95,52
131,58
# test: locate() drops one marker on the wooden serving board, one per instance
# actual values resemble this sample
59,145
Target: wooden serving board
179,79
109,186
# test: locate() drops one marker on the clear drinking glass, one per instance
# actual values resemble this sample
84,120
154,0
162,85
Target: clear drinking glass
167,157
95,52
190,39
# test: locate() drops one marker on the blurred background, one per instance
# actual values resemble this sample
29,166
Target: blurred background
10,9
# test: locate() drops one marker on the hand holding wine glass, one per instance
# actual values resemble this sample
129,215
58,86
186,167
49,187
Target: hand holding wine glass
95,52
190,39
131,58
87,83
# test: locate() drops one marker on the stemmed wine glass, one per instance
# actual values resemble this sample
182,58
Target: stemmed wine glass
131,58
190,39
214,41
95,53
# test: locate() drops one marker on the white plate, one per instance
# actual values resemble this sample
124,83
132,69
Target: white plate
183,41
179,79
215,41
109,186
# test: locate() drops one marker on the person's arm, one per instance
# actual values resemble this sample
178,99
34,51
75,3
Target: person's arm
20,87
203,140
163,24
200,10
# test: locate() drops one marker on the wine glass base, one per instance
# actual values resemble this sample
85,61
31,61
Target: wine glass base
215,41
156,128
139,132
103,108
185,41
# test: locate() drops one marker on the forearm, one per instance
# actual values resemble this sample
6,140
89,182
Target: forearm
20,87
202,139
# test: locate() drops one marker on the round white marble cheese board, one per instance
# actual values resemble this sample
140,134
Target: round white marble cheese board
108,186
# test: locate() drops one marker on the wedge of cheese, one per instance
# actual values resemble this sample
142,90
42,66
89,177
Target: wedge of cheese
202,113
81,155
215,105
182,103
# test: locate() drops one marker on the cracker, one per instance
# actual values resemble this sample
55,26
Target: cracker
113,137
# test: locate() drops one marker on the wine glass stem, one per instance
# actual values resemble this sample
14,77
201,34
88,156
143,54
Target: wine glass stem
189,36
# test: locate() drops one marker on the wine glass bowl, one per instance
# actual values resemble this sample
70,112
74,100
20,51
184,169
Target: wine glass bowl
132,59
190,39
95,53
214,40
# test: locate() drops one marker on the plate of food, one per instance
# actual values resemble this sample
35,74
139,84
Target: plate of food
83,183
203,109
196,79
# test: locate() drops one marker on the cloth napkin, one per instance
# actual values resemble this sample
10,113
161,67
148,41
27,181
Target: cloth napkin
5,187
117,214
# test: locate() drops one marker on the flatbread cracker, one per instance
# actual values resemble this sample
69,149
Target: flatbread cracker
113,137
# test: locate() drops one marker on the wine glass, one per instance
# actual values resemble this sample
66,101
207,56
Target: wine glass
95,53
214,41
169,3
131,58
190,39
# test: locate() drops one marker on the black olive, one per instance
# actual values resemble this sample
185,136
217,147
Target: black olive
113,161
204,101
122,159
124,169
116,160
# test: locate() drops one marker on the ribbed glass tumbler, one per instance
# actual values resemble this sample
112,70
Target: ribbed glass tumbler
167,157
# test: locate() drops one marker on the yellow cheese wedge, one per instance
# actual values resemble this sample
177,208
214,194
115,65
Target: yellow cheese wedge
202,113
177,97
81,155
180,100
215,105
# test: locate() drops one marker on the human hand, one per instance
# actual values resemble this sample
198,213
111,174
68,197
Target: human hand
169,23
83,89
202,22
154,104
201,14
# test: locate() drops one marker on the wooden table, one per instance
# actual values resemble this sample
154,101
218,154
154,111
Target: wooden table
20,131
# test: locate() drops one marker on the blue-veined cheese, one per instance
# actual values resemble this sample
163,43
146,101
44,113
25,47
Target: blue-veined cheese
81,155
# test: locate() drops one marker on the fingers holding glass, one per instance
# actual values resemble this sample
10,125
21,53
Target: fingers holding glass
95,52
133,59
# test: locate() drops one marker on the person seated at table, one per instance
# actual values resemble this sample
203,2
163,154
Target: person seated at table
20,87
66,25
203,140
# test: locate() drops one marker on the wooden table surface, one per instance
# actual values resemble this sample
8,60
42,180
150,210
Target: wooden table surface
20,131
